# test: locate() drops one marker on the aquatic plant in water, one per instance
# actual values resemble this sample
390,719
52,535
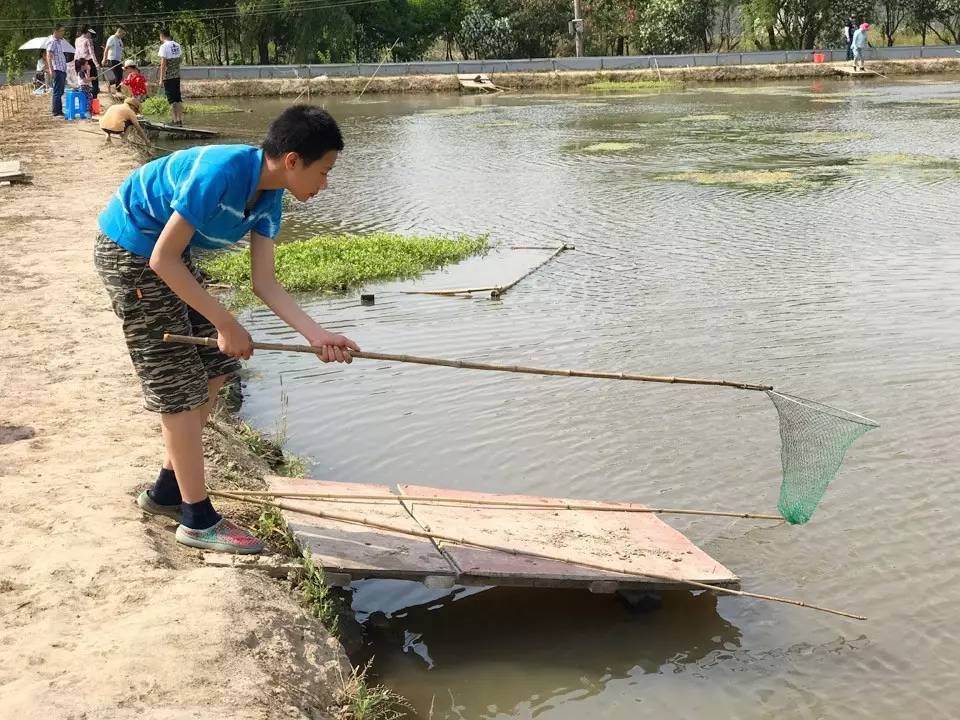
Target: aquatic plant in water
334,263
744,178
158,105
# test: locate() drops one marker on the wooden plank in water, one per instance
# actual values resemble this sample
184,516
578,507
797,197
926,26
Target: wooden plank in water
11,170
476,81
185,132
850,72
358,550
637,542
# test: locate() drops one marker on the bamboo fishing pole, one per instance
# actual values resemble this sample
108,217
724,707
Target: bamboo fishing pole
556,504
470,365
438,537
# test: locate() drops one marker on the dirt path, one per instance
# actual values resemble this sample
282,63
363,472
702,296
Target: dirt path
103,616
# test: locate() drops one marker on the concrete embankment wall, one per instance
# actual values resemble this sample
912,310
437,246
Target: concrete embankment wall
562,81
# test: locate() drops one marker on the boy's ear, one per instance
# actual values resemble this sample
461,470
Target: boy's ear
290,160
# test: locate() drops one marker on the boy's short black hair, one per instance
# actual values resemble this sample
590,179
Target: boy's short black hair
307,130
165,32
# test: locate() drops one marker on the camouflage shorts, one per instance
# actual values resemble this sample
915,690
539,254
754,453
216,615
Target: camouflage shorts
174,377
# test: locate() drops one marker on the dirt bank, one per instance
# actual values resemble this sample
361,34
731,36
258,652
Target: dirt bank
567,80
104,616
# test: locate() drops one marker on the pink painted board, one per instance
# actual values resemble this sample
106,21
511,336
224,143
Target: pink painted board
636,542
357,549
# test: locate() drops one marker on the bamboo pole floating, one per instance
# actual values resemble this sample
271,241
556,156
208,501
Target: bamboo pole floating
495,291
469,365
558,505
529,553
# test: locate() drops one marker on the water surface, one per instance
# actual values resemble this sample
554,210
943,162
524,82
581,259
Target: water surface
787,234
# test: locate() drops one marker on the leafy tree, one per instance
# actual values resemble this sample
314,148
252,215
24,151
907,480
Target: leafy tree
673,26
921,15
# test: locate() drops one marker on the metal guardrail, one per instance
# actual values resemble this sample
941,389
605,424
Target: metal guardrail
631,62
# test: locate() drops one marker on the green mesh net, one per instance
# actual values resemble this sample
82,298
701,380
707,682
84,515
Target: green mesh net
814,438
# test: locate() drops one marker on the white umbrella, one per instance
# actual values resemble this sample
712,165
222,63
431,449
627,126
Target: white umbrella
40,43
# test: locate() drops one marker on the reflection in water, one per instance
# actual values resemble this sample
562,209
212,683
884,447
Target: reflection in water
837,283
501,650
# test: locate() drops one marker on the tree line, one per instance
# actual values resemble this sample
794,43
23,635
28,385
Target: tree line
349,31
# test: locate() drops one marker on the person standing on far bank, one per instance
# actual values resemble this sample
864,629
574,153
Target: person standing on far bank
848,31
170,55
57,69
860,41
112,59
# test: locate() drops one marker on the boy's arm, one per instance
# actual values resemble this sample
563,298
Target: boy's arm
166,262
265,285
143,134
162,71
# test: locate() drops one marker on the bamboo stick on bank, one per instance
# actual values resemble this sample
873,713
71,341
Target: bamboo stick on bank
544,556
491,503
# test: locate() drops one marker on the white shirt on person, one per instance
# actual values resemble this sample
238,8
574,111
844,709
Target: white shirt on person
114,48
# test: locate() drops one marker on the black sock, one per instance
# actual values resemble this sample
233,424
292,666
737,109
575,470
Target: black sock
199,515
165,490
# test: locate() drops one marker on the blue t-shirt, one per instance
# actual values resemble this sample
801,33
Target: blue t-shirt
208,185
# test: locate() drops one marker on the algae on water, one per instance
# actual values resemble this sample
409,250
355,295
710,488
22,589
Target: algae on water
817,137
747,178
635,86
334,263
704,118
604,147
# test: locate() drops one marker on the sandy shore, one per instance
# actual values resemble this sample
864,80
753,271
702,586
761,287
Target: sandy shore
104,616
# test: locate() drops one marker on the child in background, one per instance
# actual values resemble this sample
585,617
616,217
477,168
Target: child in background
85,79
134,81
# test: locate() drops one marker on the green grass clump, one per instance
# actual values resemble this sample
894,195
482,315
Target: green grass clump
334,263
637,86
271,528
318,598
363,701
270,450
158,105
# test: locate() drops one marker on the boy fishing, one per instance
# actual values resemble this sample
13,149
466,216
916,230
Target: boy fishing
207,197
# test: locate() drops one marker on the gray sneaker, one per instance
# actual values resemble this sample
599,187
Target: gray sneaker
148,505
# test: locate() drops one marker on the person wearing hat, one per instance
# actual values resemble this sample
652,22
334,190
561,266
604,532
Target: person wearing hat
120,116
859,42
134,80
84,47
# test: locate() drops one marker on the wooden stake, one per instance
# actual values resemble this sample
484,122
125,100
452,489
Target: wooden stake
498,292
495,290
468,365
544,556
558,505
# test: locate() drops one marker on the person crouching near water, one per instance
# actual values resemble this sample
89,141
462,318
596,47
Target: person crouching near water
859,43
207,197
120,116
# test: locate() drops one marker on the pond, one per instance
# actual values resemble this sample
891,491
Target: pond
801,234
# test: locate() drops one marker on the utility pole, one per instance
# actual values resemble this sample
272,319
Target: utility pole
577,28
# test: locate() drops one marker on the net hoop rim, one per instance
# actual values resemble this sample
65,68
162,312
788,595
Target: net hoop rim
829,409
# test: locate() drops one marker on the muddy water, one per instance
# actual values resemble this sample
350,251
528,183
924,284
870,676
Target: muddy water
787,234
